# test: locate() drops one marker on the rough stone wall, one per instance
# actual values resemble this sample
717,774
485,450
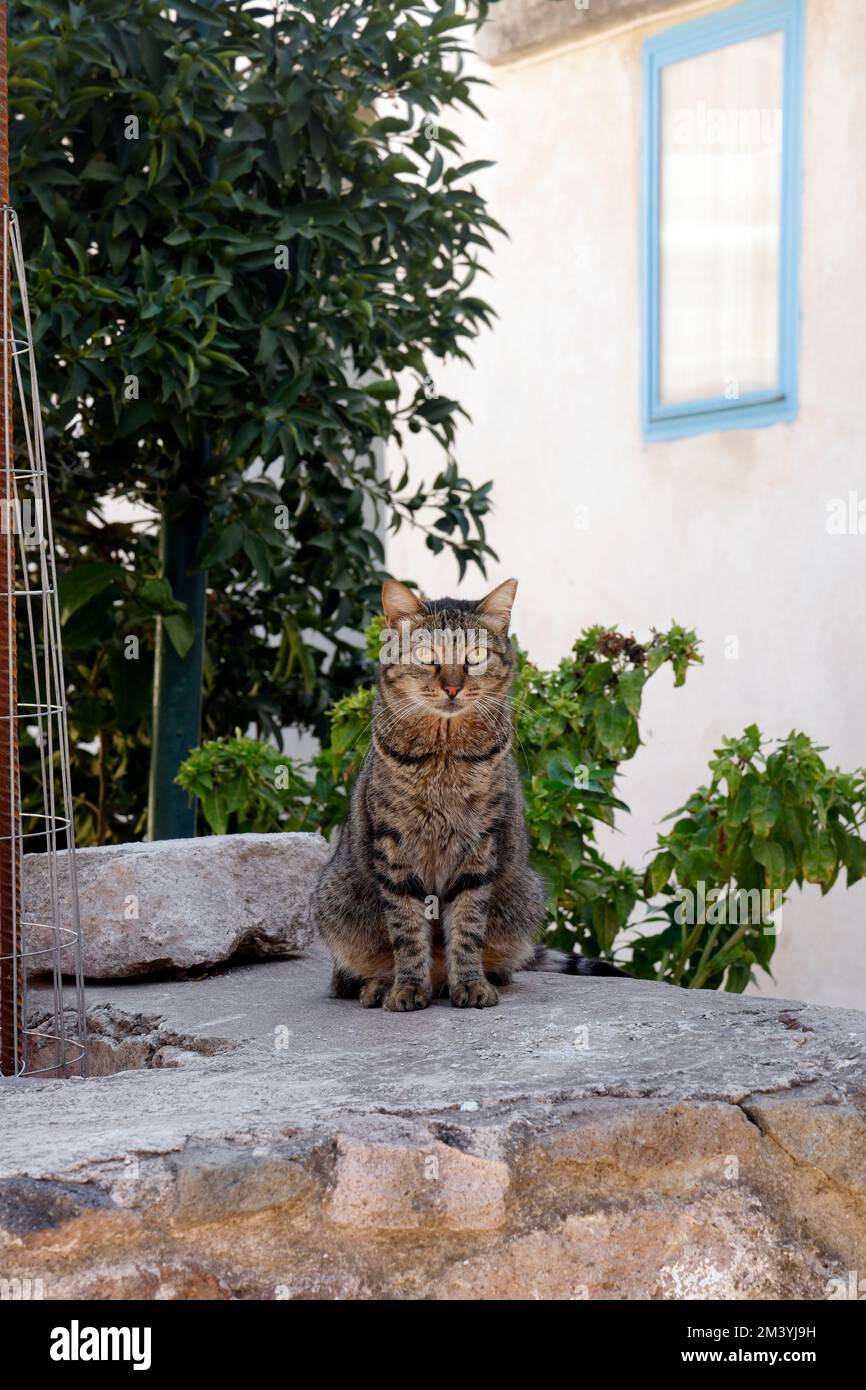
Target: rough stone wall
587,1138
606,1200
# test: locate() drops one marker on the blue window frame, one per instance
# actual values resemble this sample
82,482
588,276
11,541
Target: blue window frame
776,402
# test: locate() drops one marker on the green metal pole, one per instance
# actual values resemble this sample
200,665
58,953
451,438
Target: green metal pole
177,681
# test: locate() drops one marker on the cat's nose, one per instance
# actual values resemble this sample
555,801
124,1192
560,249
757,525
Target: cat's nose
451,691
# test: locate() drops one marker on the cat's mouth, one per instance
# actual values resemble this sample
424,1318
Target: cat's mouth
452,709
446,708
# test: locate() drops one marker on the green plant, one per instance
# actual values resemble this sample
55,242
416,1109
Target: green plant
575,726
245,784
772,815
240,237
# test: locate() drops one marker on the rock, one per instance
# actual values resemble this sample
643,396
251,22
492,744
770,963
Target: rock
184,904
694,1145
27,1206
169,1057
404,1187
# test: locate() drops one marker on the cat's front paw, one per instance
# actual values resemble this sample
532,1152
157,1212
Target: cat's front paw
477,994
373,992
402,999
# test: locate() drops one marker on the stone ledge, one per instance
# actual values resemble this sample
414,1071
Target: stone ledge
701,1146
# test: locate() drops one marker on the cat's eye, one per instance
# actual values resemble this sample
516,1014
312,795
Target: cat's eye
475,656
423,653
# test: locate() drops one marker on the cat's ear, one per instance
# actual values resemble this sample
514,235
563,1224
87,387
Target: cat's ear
399,602
497,605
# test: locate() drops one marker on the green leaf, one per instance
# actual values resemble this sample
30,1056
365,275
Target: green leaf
130,689
257,552
382,390
660,871
597,676
181,632
287,143
630,688
855,858
100,169
189,9
135,416
215,813
612,724
772,856
156,595
81,584
219,545
819,858
766,804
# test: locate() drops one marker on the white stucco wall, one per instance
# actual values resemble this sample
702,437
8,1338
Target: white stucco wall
725,532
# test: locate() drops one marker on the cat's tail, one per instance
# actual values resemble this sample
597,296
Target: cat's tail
570,963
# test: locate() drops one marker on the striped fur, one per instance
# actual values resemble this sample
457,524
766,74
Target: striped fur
429,889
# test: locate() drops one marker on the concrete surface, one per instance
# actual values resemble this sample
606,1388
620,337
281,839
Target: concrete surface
588,1138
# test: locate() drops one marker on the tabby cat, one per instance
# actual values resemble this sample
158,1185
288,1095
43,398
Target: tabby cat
430,887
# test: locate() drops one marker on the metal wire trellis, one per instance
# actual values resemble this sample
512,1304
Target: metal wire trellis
49,947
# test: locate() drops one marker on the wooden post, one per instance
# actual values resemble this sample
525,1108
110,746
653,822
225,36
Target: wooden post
11,983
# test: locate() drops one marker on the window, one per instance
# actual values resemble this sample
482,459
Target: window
720,220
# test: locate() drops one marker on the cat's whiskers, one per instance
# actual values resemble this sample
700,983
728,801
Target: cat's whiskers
360,734
387,723
490,721
504,704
